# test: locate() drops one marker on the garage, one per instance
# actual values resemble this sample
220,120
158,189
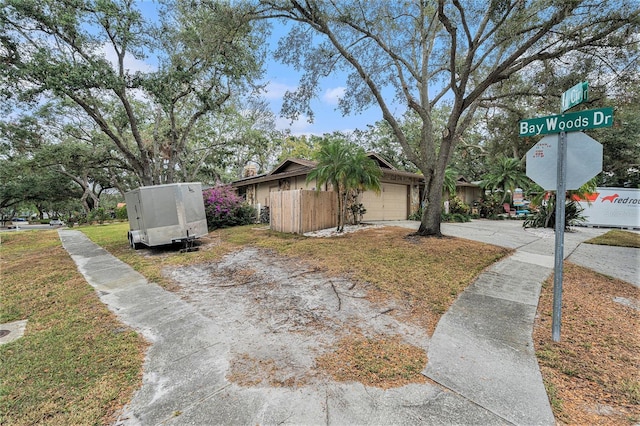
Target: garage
390,204
399,196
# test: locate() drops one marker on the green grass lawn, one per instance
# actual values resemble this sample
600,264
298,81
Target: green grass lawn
429,271
76,364
589,369
617,238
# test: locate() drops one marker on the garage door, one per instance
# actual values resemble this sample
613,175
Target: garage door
389,204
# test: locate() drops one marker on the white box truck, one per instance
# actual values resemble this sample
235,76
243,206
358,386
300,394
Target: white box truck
612,207
166,214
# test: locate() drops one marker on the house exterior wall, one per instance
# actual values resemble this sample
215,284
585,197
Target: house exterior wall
259,193
466,192
410,203
469,194
262,192
402,190
299,182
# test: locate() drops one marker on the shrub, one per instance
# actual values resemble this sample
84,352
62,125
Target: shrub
121,213
417,215
245,214
491,207
265,216
545,217
457,206
98,215
444,217
357,212
78,219
455,217
224,208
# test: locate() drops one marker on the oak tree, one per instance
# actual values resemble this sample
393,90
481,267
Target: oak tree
82,52
419,54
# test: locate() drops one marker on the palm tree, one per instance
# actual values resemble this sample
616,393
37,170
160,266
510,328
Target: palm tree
364,175
545,215
346,168
449,184
505,174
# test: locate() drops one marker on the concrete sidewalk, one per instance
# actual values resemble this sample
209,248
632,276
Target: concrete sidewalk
481,353
482,347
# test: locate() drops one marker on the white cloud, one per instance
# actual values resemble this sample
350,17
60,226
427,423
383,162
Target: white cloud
333,96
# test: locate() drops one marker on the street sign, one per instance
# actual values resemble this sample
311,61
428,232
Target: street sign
576,157
575,96
584,161
569,122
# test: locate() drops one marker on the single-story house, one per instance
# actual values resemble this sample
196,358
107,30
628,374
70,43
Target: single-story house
399,197
468,191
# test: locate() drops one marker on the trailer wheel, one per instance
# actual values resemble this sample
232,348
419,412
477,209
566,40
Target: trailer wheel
133,245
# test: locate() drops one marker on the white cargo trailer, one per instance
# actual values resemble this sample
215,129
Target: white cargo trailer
166,214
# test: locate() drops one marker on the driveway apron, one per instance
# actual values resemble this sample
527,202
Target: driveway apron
481,354
184,372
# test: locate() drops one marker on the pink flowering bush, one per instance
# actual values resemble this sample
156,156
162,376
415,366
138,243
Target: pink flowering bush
224,208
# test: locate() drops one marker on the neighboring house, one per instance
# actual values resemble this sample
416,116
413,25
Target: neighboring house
468,191
399,196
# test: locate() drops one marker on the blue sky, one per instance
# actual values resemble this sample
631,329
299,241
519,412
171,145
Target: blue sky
280,78
327,118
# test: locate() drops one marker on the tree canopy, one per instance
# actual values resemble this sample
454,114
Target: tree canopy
433,52
117,99
506,174
80,56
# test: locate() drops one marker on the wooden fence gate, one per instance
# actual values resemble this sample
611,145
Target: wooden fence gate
301,211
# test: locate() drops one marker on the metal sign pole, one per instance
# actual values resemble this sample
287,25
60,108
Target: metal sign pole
559,246
538,165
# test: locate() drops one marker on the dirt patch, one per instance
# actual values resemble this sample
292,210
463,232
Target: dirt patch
247,370
282,315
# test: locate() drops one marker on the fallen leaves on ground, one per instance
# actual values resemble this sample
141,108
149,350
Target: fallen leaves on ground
592,373
381,361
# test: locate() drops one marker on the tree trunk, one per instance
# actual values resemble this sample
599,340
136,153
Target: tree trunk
430,223
339,210
84,200
431,215
146,177
343,211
